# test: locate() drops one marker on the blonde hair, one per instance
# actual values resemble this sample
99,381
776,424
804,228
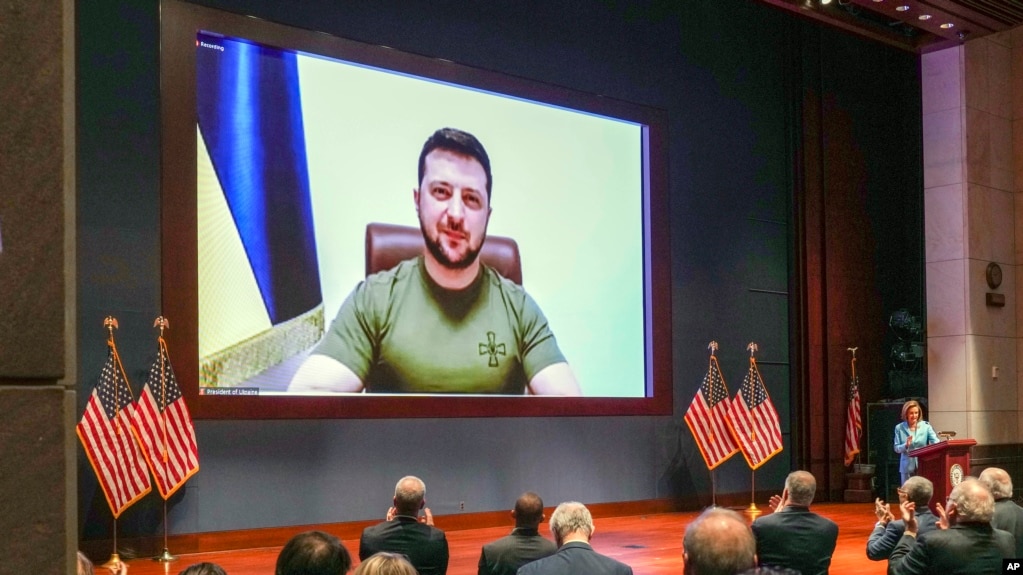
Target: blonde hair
384,563
909,405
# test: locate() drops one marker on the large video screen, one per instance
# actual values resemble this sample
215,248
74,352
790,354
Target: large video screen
353,231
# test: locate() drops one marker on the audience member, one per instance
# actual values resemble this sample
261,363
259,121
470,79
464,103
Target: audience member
572,526
385,563
404,532
313,553
205,568
1008,515
718,542
968,545
793,536
524,545
888,530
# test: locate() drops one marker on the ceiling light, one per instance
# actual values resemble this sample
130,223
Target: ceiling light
825,2
902,8
924,17
947,25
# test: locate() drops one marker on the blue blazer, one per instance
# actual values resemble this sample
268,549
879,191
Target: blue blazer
924,435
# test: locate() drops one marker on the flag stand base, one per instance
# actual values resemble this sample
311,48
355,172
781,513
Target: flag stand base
165,557
114,563
753,511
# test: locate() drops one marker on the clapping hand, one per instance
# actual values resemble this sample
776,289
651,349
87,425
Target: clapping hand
942,516
427,516
883,511
909,516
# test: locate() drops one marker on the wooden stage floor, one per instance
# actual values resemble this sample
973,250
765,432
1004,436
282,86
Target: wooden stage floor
651,544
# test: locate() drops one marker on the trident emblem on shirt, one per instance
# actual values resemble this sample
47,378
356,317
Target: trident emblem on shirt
492,348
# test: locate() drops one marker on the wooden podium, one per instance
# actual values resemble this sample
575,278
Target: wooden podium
945,463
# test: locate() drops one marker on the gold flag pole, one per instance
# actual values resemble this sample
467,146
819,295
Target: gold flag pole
110,322
752,510
713,347
163,324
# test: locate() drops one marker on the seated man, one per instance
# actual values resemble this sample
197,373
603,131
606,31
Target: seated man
442,322
1008,515
793,536
404,532
718,542
888,530
572,526
313,553
964,543
524,545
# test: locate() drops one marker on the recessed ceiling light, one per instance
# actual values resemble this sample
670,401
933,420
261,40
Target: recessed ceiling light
948,25
924,17
878,1
902,8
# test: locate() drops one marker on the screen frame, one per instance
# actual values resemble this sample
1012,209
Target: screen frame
179,24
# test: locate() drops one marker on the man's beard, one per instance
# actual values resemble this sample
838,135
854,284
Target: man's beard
437,250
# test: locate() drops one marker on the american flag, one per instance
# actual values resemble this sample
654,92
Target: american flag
853,423
164,427
105,432
754,419
707,418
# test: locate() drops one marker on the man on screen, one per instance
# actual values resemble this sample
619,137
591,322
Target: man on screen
441,322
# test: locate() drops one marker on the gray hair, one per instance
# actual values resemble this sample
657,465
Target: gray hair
718,542
974,503
919,490
409,494
801,486
569,517
997,480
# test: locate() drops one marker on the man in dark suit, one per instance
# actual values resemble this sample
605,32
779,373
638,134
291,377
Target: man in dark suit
969,545
1008,515
793,536
572,526
406,533
524,545
718,542
888,530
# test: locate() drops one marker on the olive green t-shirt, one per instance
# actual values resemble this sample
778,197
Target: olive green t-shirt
400,332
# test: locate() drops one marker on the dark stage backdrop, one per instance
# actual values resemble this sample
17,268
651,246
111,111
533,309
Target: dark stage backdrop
731,74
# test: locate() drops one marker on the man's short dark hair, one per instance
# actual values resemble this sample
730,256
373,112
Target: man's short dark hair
528,509
313,553
459,142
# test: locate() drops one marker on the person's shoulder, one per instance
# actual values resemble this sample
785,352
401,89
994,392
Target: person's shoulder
495,279
377,528
404,270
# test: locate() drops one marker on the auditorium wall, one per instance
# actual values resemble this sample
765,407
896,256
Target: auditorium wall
732,75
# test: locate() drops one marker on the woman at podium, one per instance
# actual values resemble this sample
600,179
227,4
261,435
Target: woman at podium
911,434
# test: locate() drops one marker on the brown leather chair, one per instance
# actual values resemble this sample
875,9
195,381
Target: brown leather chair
389,244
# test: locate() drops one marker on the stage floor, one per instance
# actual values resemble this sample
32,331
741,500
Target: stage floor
651,544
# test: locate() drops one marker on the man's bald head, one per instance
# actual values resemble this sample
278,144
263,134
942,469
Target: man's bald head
718,542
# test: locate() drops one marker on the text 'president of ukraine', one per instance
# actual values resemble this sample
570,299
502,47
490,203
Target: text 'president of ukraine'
420,326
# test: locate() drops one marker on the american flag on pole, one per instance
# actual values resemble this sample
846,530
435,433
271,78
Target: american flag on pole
105,432
707,418
164,427
754,419
853,423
